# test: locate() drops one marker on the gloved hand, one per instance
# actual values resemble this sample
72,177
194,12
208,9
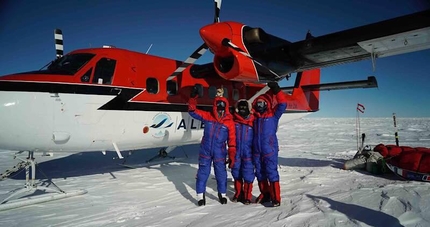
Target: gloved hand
230,163
274,87
231,157
194,92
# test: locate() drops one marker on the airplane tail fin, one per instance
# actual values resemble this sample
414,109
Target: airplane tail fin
306,99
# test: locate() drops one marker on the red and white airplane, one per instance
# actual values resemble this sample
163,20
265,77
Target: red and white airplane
112,99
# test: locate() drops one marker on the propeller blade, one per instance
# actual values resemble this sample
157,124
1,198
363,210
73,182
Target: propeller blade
190,60
200,51
260,92
217,10
58,35
228,43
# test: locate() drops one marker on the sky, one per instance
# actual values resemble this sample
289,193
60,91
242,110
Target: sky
171,27
315,190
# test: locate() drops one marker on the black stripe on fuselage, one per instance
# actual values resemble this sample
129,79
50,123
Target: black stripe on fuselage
119,102
65,88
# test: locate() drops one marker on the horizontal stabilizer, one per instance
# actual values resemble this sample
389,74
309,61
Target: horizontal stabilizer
369,83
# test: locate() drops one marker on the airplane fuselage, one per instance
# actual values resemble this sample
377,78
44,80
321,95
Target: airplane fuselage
62,122
112,99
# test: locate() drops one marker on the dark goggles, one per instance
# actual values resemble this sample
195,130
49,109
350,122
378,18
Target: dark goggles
242,107
220,105
261,104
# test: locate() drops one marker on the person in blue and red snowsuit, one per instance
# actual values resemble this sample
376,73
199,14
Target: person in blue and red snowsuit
266,143
218,132
243,169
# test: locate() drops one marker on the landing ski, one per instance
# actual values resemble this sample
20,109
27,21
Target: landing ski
26,201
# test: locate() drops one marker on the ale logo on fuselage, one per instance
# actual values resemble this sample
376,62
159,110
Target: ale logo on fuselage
161,122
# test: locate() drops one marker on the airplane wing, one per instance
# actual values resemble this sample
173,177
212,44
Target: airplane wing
249,54
270,58
386,38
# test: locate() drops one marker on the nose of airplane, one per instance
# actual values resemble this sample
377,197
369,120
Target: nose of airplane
25,119
214,34
7,104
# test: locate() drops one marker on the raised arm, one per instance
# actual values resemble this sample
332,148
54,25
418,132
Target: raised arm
280,99
192,107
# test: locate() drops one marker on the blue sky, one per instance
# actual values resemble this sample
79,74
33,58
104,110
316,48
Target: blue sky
26,40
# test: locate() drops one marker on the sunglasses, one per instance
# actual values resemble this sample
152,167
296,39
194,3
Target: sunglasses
220,104
242,107
261,103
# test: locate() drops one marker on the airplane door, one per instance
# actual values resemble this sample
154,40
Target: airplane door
109,126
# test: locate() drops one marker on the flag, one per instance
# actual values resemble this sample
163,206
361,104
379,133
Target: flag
360,108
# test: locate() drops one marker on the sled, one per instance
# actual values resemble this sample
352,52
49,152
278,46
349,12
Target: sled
408,174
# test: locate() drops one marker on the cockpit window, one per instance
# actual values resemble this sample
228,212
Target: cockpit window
69,64
104,71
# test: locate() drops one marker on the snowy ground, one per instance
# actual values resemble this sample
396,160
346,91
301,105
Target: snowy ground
315,190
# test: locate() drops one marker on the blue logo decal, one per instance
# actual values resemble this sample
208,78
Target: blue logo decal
161,121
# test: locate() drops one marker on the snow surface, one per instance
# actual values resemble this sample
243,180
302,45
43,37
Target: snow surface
315,191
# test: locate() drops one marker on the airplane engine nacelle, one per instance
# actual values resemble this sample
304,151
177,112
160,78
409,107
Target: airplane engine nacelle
229,63
241,52
235,67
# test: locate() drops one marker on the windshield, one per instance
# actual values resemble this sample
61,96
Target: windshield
68,64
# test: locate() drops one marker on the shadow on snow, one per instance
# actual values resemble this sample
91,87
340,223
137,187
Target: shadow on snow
181,174
359,213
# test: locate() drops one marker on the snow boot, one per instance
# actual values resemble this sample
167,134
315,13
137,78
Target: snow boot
275,193
222,198
264,197
201,199
247,193
238,195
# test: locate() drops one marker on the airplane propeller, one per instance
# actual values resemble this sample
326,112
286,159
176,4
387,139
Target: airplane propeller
212,38
59,48
200,50
217,10
189,61
58,35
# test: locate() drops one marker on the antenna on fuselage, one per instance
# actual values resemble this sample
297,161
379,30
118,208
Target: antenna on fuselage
148,49
58,35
